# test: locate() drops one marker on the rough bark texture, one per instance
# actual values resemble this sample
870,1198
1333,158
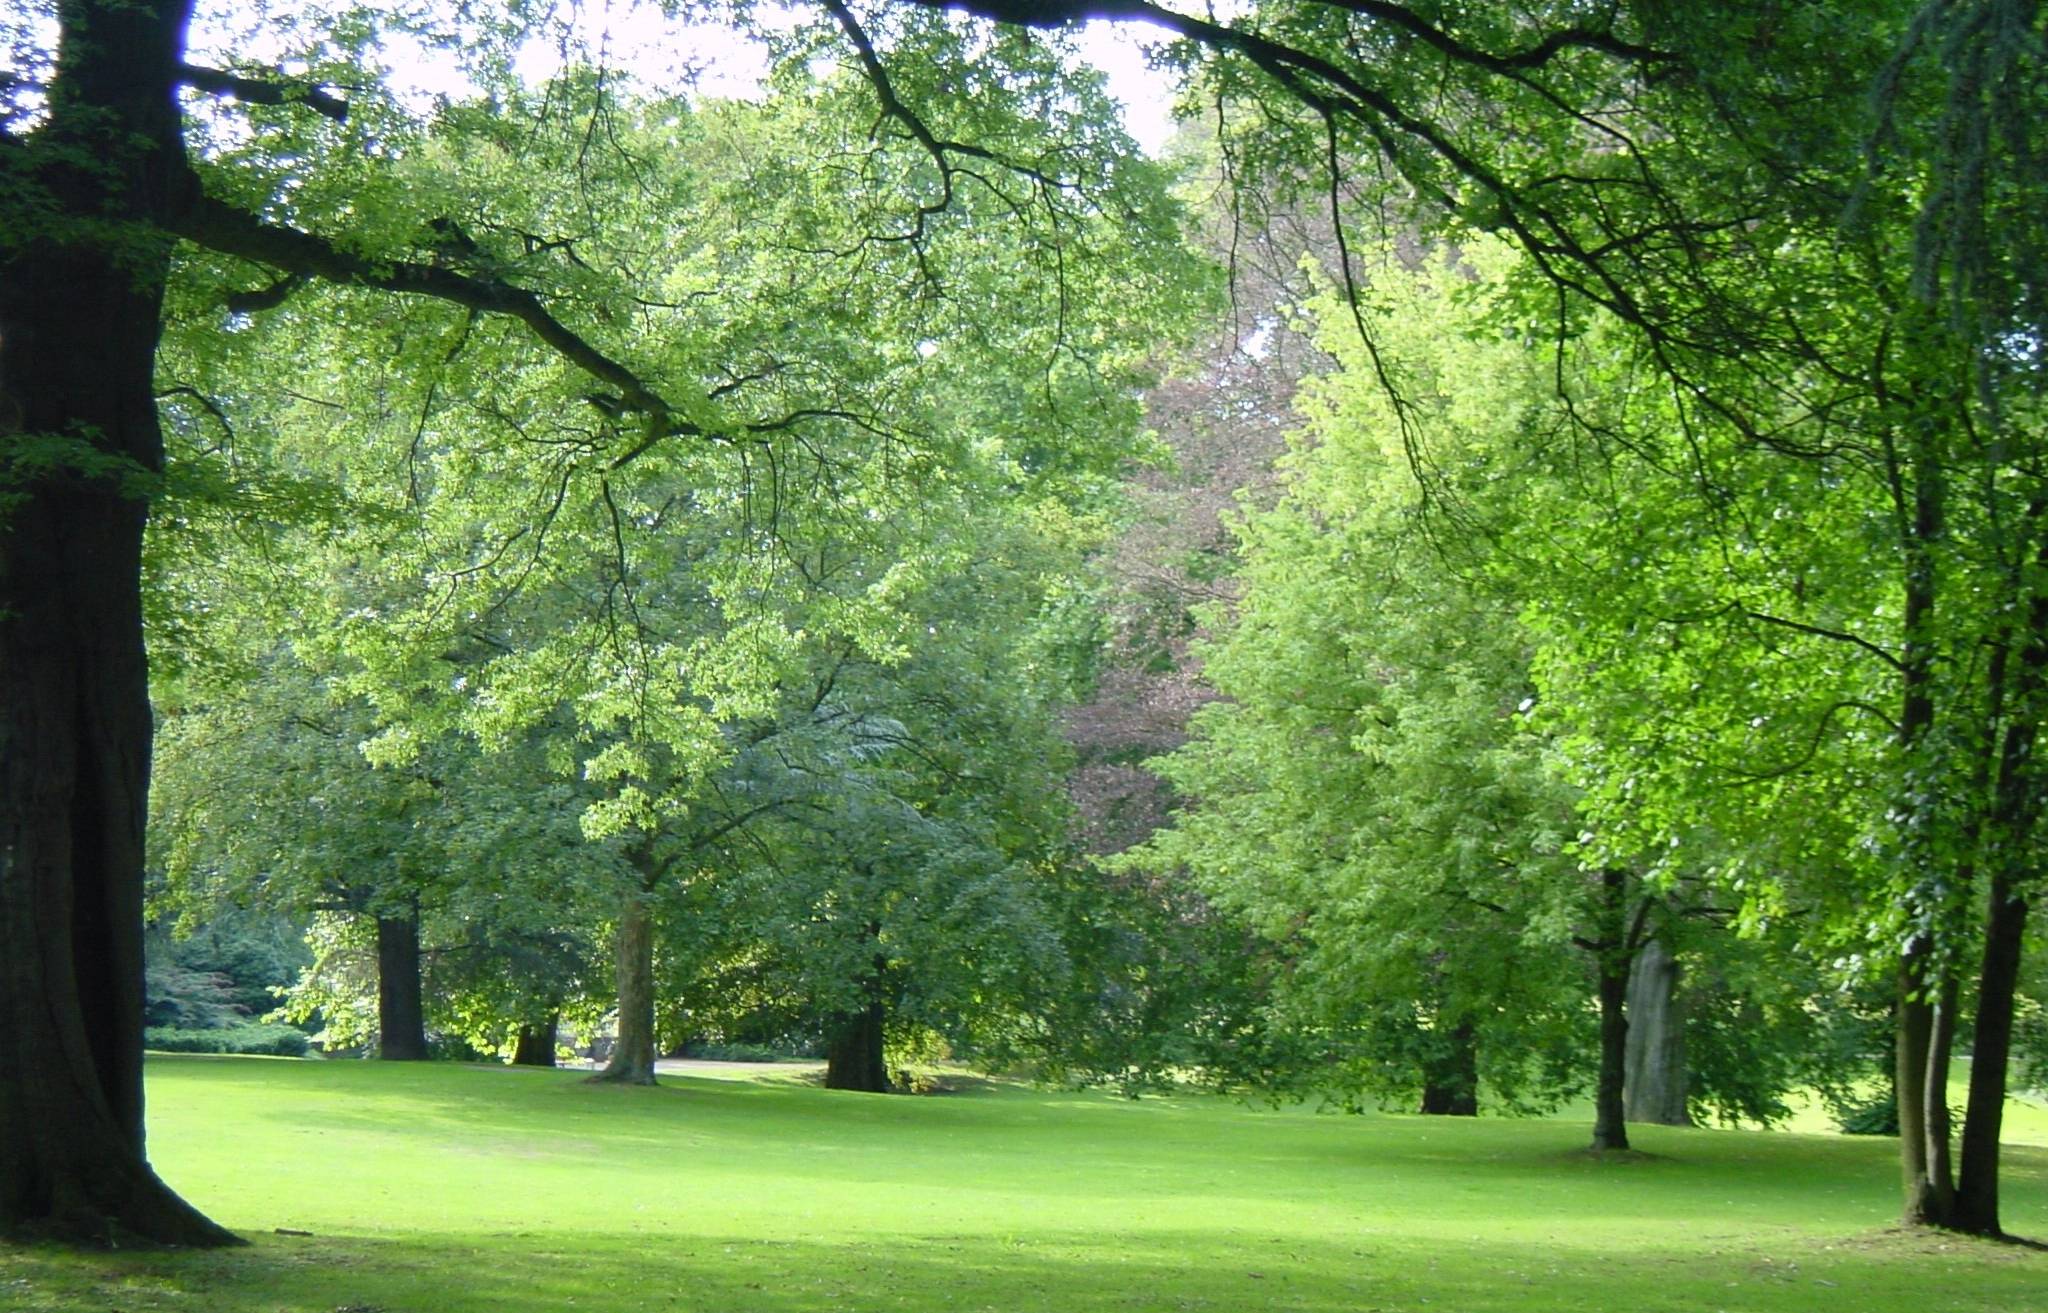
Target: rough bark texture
401,1012
632,1060
535,1044
78,332
853,1056
1654,1085
1450,1076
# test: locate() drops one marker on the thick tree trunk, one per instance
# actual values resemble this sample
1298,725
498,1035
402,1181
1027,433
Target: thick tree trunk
853,1053
535,1044
632,1060
401,1012
78,433
1450,1076
1654,1085
853,1046
1610,1113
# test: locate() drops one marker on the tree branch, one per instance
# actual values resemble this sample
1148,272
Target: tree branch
1835,634
264,298
220,227
264,91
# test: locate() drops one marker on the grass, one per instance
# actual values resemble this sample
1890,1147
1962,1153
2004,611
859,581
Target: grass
442,1189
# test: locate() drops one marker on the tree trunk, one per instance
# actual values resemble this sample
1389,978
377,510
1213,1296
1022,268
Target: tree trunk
2015,814
1654,1085
1610,1115
401,1012
632,1060
1977,1190
1926,1013
1450,1074
853,1054
535,1045
79,438
1926,1032
1610,1112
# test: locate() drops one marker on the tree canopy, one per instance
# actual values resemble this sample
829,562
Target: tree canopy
598,422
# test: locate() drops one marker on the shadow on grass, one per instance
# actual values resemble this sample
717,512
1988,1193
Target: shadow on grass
1056,1273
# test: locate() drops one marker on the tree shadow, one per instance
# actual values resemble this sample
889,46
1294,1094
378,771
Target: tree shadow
1067,1272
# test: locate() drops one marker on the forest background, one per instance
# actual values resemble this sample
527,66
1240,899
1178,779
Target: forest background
699,562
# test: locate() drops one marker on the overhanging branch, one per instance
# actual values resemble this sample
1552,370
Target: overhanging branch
264,91
221,227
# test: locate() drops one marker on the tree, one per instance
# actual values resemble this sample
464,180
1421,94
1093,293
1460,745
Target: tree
1654,173
454,877
1360,797
910,895
1845,295
1392,794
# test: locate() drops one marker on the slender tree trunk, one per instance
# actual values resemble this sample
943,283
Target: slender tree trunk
401,1011
2015,815
1914,1043
535,1044
1450,1076
1610,1111
632,1060
78,433
1977,1191
853,1054
1926,1013
1654,1085
1610,1114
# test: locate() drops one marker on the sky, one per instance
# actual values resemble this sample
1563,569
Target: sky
720,62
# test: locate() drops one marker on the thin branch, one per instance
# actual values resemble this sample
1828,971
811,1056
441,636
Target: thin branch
1835,634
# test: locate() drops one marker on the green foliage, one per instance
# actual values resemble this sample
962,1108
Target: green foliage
1366,797
264,1039
531,644
176,997
223,973
1874,1117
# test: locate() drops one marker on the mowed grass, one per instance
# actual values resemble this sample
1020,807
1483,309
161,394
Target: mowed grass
432,1188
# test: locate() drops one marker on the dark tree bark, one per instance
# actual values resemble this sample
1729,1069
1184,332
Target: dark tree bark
2012,825
1976,1204
853,1045
632,1060
401,1011
78,333
1450,1074
1654,1086
535,1044
1613,953
853,1054
1610,1111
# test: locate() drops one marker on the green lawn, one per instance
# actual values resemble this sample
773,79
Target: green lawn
432,1188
